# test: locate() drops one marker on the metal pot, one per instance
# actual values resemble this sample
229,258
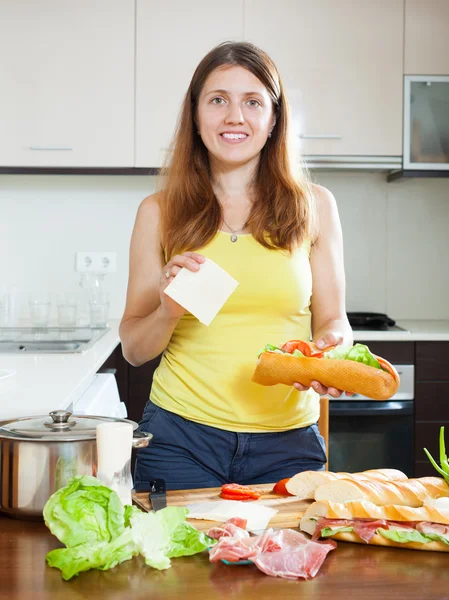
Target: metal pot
39,455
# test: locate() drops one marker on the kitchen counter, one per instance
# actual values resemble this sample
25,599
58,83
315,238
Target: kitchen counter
349,571
422,330
45,382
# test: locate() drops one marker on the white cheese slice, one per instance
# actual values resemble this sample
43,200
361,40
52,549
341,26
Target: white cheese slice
257,515
203,292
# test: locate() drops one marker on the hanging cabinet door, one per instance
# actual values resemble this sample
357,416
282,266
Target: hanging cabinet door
172,38
67,75
342,65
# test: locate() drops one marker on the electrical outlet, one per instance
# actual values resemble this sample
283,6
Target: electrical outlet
96,262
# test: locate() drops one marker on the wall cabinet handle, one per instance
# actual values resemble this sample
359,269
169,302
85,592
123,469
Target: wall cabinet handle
51,148
319,136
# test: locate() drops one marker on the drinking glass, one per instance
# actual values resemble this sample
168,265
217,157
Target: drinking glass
40,307
99,308
67,307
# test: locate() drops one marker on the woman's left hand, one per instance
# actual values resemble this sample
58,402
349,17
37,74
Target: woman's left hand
334,338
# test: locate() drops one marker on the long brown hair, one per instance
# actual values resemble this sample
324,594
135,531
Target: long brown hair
282,214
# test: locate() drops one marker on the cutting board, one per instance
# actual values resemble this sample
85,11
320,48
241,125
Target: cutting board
290,508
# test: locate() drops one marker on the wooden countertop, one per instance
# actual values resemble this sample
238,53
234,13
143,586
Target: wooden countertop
350,571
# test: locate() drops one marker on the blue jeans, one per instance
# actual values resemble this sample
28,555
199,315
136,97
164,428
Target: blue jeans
189,455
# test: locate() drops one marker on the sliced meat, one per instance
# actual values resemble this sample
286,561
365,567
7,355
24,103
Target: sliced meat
367,529
332,523
297,559
234,550
285,553
234,527
426,527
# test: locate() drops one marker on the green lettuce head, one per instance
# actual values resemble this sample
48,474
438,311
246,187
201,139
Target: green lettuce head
84,511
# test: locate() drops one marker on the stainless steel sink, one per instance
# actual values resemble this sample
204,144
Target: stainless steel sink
51,340
40,347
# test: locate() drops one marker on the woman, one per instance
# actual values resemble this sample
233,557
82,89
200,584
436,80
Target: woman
231,194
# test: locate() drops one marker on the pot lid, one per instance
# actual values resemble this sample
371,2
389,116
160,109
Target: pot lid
58,426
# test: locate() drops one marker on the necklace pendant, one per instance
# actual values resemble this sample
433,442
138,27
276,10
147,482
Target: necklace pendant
234,238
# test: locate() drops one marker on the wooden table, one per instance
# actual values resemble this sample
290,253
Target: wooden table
350,571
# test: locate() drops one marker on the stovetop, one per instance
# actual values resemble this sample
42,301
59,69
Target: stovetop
377,328
370,321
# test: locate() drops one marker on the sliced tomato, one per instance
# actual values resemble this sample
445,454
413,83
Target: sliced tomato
236,497
280,488
300,345
235,489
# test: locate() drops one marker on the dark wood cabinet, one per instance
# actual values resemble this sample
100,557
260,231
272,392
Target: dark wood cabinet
432,361
398,353
134,383
431,402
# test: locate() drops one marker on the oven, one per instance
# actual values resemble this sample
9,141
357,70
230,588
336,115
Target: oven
372,434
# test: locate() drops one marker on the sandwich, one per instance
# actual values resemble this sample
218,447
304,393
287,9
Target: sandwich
349,368
304,484
412,492
420,528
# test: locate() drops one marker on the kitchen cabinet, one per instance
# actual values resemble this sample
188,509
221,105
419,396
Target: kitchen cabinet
172,38
431,402
342,66
134,383
426,37
67,72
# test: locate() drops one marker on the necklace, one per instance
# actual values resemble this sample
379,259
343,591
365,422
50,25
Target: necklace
233,237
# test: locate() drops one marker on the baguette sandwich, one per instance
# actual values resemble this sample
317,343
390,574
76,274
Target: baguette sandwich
412,492
349,368
305,484
422,528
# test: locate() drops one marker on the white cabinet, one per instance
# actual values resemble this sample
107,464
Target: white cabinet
172,38
67,83
342,65
426,37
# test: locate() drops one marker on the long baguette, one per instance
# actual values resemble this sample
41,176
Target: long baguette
347,375
412,492
367,510
305,484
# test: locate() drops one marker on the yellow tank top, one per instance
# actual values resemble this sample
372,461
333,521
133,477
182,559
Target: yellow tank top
205,372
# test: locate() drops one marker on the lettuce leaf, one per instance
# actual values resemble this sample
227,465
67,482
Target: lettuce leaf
403,536
358,353
437,538
84,511
165,534
327,531
93,555
186,540
100,532
153,532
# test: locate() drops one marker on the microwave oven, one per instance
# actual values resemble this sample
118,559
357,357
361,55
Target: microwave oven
426,122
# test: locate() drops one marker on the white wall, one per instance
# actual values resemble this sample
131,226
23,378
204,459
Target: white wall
396,236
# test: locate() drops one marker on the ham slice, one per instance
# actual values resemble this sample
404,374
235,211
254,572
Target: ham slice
426,527
234,527
298,556
285,553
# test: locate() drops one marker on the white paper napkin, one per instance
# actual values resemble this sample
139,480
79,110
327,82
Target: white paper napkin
257,515
203,292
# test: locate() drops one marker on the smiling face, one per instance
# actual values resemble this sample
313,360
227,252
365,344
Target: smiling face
234,115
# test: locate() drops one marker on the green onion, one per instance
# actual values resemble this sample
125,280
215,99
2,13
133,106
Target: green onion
443,470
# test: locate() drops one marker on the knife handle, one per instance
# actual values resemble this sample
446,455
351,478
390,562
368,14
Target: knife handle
157,486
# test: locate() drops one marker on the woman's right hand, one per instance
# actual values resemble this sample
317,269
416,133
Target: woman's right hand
189,260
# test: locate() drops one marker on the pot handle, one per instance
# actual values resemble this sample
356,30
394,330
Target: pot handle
141,439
